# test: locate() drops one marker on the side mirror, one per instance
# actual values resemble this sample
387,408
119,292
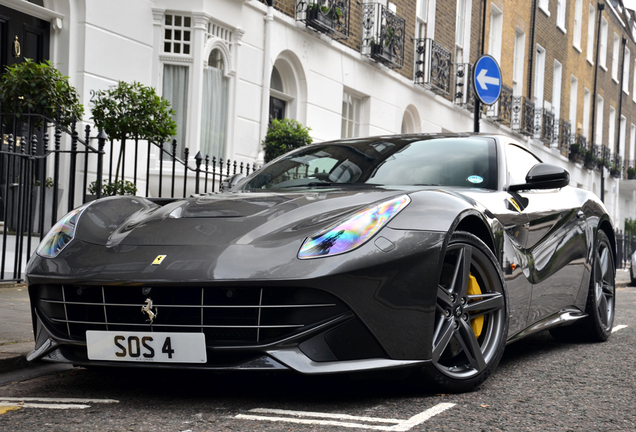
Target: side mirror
544,176
231,181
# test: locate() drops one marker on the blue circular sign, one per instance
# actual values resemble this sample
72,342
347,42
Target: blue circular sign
487,80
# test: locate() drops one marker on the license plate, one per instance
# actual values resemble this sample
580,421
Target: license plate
156,347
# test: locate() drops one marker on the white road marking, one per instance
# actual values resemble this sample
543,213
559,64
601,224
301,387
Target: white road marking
44,406
618,327
56,400
51,403
339,419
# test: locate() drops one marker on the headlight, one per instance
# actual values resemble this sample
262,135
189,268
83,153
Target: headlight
353,232
60,235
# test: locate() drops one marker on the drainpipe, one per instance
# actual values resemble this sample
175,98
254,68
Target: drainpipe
533,49
600,6
477,113
267,76
620,100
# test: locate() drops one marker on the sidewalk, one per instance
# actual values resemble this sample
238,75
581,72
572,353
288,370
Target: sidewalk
16,331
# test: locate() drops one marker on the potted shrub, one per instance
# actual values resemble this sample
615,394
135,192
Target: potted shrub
322,17
39,88
132,111
590,161
631,173
284,135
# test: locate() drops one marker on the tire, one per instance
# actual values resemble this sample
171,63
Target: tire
597,325
466,348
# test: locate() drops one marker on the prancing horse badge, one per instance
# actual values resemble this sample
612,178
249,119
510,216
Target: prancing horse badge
159,259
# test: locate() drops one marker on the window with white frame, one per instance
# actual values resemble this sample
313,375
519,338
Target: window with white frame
626,62
556,89
460,31
621,141
587,104
590,34
177,34
421,19
600,105
561,7
539,73
496,28
175,90
544,5
578,17
611,130
519,59
214,106
615,49
574,88
634,83
632,144
603,45
351,113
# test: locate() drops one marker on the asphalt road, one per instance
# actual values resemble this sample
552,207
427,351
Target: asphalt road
540,385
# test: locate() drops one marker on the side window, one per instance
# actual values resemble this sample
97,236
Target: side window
519,163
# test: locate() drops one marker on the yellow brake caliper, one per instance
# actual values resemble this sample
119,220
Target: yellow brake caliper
473,289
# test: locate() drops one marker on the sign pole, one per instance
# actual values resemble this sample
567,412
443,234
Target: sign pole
486,83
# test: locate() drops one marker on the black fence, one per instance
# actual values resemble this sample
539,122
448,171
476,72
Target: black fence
41,162
625,247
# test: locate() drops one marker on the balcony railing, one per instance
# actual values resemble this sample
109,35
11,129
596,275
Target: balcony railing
382,35
432,66
522,120
544,125
564,134
501,111
330,17
578,149
464,92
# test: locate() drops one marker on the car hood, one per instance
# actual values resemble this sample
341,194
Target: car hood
227,218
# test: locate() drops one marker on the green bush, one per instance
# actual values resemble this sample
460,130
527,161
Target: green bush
283,136
119,187
39,88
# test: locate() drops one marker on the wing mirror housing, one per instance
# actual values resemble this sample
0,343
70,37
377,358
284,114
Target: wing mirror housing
231,181
544,176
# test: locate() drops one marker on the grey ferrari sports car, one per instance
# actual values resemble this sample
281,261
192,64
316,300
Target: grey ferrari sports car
428,252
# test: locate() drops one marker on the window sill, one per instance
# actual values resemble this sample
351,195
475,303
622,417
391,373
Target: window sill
590,61
615,79
545,11
603,67
577,48
563,29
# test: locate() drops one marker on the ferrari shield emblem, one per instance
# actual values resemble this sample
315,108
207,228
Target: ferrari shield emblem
159,259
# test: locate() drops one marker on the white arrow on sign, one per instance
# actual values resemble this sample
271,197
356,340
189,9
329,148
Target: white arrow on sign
483,80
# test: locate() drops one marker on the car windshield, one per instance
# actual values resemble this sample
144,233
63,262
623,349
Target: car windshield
402,161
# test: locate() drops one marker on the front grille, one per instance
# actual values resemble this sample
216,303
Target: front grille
227,316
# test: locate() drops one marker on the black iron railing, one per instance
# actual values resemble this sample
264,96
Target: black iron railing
501,110
464,92
432,66
43,178
522,116
330,17
382,35
564,134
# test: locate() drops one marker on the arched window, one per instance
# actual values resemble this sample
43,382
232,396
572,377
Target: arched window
277,101
214,109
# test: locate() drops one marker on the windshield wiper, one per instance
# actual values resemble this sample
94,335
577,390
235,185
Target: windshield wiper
329,184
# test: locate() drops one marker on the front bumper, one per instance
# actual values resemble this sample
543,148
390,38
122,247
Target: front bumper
383,319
